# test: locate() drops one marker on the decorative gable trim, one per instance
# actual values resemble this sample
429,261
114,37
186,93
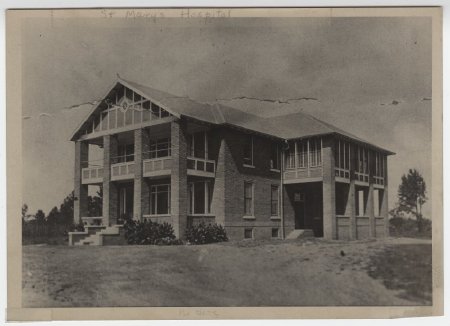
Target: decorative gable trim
120,108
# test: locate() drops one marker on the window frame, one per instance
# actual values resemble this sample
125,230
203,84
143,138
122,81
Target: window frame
252,233
191,145
158,142
278,233
276,200
155,204
207,200
252,200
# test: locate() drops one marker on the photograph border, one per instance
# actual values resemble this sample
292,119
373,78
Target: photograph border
14,165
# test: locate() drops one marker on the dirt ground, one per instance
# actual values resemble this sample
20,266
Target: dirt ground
246,273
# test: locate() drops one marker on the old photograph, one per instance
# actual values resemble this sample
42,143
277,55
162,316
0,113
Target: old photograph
209,158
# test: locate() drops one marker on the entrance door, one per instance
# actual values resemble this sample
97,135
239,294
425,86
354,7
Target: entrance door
126,197
300,210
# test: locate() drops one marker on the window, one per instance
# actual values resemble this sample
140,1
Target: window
363,160
302,154
315,152
126,153
198,145
200,196
274,201
275,233
248,150
160,199
248,199
275,157
379,164
160,148
342,158
248,233
290,157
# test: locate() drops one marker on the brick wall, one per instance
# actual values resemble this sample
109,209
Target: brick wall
178,202
110,190
80,206
228,196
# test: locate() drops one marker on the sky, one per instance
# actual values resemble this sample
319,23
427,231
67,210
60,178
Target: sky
370,76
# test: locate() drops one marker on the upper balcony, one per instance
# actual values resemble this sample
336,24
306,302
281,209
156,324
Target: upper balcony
92,175
303,168
161,166
201,167
122,171
155,167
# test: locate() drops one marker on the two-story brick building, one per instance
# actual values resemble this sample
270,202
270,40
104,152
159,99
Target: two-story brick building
170,159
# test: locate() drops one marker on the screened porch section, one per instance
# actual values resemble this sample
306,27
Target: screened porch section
360,159
303,162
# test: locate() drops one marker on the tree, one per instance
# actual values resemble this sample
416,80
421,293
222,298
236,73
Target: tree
95,204
53,216
412,195
40,217
24,211
66,210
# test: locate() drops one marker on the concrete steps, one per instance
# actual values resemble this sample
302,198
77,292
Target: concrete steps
91,240
93,235
300,234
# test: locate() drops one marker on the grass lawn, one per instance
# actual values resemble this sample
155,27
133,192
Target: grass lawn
247,273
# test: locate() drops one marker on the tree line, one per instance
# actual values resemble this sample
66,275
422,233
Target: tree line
59,220
407,214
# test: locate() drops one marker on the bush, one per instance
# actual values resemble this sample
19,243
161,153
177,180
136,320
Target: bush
408,227
202,233
149,233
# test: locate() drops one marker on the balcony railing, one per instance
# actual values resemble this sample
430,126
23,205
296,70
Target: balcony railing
304,173
362,177
378,180
92,175
201,167
157,166
342,173
122,171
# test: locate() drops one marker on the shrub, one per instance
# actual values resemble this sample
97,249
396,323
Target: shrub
75,228
149,233
407,227
202,233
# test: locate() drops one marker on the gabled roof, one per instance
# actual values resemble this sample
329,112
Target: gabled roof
290,126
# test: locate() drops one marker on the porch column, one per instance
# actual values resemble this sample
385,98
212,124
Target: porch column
371,210
141,192
350,209
80,203
110,191
384,210
370,200
328,189
178,183
218,204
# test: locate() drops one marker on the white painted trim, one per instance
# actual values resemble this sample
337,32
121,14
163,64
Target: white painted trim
126,128
302,180
200,173
157,173
156,215
342,180
248,166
